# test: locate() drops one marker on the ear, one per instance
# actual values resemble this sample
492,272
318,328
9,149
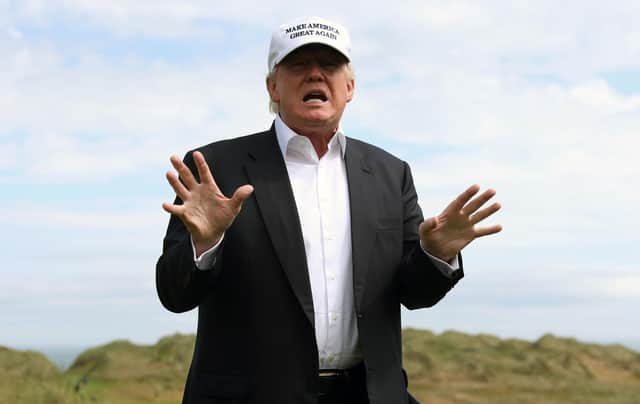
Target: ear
351,87
271,87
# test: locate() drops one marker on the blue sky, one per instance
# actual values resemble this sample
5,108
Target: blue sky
538,100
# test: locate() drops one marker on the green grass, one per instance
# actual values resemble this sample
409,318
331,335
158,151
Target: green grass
460,368
449,368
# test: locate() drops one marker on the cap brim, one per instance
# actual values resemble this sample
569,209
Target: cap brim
283,57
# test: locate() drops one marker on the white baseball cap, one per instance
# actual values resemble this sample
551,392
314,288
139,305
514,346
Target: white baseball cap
304,31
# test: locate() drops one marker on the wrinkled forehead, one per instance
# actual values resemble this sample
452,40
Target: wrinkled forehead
315,51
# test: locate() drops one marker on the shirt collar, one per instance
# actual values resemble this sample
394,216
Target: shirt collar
285,134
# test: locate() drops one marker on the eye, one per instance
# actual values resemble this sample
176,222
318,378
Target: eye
329,64
297,65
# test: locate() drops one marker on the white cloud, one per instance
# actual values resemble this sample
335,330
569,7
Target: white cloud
160,18
14,33
41,217
448,16
8,152
618,287
554,150
102,120
517,299
561,157
598,95
505,95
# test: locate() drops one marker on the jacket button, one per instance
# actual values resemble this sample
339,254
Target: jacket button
359,315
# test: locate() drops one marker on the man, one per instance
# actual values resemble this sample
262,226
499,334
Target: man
299,276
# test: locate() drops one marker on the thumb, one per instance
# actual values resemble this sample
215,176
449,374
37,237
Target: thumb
241,195
428,225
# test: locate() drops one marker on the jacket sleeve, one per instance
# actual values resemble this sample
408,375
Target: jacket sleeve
421,283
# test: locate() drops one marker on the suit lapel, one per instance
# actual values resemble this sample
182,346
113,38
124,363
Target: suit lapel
362,197
268,175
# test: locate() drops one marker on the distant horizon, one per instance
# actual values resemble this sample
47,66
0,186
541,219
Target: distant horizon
154,340
633,343
64,355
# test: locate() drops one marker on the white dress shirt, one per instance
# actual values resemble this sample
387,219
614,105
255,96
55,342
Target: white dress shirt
321,193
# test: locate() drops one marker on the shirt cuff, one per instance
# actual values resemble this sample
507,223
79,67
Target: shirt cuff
446,268
207,259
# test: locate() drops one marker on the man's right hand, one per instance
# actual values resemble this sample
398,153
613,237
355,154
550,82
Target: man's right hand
205,211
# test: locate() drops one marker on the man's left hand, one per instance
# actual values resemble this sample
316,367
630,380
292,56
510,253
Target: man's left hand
443,236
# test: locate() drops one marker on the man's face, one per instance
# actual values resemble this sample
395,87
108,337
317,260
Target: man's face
312,87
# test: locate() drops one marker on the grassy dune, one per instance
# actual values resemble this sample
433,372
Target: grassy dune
448,368
459,368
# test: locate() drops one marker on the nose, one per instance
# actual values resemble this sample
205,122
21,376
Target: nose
315,72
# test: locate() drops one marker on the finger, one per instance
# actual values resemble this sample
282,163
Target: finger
185,174
428,225
463,198
485,231
241,195
203,169
173,209
177,186
477,202
484,213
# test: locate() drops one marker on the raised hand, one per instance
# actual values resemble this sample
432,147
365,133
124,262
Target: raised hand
443,236
205,211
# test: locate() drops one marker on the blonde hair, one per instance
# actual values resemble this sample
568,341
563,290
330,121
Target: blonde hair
273,106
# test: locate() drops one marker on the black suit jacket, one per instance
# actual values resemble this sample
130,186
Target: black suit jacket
255,341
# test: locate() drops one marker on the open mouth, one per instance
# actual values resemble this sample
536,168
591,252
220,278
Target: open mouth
315,97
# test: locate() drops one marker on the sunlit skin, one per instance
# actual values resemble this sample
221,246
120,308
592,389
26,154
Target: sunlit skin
312,70
445,235
312,87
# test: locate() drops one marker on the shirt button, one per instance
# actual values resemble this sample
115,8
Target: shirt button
331,276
